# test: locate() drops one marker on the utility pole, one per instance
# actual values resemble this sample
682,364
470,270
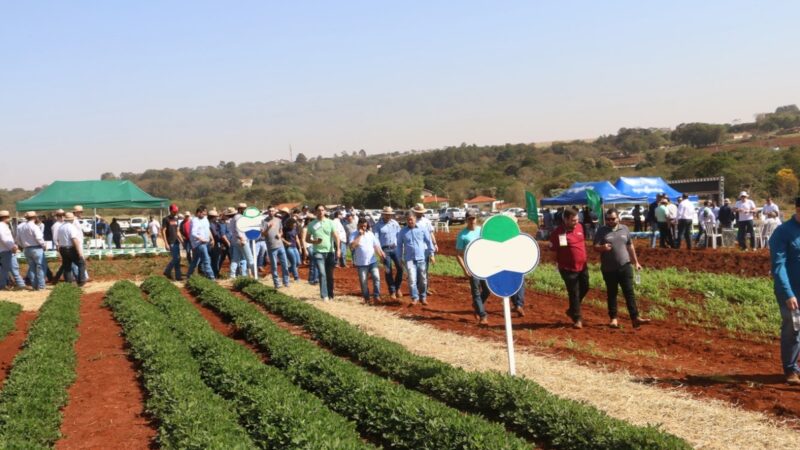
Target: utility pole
291,158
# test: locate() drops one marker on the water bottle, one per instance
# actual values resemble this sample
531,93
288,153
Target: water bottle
796,319
637,278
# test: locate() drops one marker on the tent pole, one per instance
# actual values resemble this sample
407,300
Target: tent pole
94,225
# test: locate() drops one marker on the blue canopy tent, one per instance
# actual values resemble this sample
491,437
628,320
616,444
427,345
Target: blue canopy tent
647,187
576,194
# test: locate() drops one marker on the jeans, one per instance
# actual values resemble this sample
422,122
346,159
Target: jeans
665,235
278,255
577,284
622,277
117,237
144,240
261,254
154,240
9,265
247,255
393,261
313,273
109,240
201,258
175,262
417,279
325,263
69,256
518,299
746,226
238,261
342,253
480,293
34,257
684,232
187,246
293,256
653,228
370,270
790,342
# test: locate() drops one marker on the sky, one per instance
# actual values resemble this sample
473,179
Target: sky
94,87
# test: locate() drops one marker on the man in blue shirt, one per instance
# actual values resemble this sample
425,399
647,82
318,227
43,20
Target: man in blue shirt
387,230
415,244
201,241
784,248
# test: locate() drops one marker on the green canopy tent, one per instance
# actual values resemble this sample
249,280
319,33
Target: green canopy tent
97,194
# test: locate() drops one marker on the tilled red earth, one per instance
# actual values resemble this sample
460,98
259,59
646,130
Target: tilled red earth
721,260
709,363
12,344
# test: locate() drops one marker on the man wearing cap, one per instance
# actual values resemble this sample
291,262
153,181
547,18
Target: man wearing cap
745,208
8,249
31,239
70,246
726,215
201,240
387,229
322,234
784,249
415,245
478,288
173,240
272,232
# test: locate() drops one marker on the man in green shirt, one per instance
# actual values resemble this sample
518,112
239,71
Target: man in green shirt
664,233
322,235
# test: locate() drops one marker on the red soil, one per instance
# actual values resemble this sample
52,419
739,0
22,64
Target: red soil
727,260
12,344
706,362
106,402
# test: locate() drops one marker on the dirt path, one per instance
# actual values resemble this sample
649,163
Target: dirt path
704,423
706,362
106,402
12,344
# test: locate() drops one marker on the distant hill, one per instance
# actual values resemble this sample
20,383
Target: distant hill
762,157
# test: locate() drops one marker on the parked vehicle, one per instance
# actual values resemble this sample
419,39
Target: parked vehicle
124,224
431,215
452,215
86,226
516,212
137,223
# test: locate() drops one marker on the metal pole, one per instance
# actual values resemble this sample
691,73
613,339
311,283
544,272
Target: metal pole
512,365
255,259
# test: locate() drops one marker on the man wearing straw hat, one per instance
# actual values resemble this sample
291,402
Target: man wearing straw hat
70,246
745,208
387,229
8,248
31,239
425,224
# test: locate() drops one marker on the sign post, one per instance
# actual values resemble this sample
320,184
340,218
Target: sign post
502,256
250,224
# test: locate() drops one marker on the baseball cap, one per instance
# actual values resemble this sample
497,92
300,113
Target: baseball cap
173,208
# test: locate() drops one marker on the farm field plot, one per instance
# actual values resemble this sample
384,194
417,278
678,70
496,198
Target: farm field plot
707,343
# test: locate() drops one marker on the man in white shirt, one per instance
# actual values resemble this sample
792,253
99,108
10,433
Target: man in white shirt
8,249
672,220
745,208
70,246
342,234
154,228
31,239
771,207
201,240
685,216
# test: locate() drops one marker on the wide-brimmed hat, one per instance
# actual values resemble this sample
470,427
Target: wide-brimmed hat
78,208
69,216
743,194
419,208
229,211
242,205
4,213
285,210
213,213
387,210
187,213
30,214
59,212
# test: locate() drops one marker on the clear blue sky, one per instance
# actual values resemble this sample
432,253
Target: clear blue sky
93,87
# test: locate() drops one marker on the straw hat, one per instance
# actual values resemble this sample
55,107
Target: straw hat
419,208
69,216
285,210
78,208
59,212
4,213
229,211
30,214
743,194
213,213
387,210
242,205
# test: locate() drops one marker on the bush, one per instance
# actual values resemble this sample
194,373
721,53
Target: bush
392,414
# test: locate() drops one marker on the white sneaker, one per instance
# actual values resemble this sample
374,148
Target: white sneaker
325,299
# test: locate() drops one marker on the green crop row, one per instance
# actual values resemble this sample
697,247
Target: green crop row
277,413
36,388
736,303
383,410
190,414
8,317
522,405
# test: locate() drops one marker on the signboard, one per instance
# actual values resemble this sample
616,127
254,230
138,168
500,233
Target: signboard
502,256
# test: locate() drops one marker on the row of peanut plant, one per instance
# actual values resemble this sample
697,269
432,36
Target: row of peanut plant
384,411
36,388
522,405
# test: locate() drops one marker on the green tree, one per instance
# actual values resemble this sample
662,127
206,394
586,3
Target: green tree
698,134
301,159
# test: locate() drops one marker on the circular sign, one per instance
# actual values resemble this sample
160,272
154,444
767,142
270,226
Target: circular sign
249,223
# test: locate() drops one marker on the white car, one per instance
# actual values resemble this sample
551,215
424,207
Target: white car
431,215
137,223
452,215
86,226
516,212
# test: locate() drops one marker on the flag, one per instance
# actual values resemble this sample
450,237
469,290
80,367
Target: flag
530,206
594,202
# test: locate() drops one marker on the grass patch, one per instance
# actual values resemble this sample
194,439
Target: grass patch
8,317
